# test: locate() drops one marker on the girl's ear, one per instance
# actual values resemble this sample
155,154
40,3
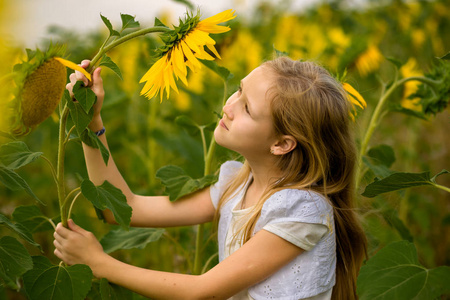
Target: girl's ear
285,144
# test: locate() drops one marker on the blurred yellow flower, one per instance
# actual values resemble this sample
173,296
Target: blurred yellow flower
183,47
408,70
369,61
354,97
244,53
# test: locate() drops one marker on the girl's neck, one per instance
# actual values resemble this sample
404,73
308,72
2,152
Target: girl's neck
263,176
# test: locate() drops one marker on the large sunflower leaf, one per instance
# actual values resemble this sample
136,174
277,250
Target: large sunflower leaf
16,183
16,154
14,260
398,181
104,290
79,116
179,184
133,238
54,282
395,273
107,196
31,217
19,229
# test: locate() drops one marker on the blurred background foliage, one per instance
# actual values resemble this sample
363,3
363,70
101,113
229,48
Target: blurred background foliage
144,137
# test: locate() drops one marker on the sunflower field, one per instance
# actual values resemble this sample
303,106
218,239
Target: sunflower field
392,56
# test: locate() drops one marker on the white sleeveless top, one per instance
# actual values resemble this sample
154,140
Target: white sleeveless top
311,275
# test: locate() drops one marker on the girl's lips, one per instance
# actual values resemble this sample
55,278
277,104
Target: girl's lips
222,123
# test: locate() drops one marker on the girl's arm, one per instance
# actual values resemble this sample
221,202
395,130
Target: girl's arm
261,256
147,211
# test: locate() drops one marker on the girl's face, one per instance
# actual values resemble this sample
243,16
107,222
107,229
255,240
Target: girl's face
246,126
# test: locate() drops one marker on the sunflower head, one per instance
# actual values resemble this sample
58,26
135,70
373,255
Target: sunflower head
184,46
40,82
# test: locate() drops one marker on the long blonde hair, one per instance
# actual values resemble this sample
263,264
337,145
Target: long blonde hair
310,105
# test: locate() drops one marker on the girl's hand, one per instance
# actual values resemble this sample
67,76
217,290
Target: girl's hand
96,86
74,245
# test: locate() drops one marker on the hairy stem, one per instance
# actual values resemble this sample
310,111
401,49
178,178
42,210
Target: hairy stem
208,163
122,40
60,164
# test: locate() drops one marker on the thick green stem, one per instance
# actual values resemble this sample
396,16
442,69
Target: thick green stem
122,40
208,163
377,116
60,165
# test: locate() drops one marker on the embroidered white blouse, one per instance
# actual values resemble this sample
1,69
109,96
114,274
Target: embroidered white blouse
303,218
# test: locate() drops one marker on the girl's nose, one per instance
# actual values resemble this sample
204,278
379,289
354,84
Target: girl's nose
228,108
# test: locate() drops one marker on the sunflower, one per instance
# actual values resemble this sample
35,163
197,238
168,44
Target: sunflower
354,97
184,46
40,82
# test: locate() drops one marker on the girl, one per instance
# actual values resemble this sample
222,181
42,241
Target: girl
286,225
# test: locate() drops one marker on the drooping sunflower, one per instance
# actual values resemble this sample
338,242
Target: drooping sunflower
40,82
184,46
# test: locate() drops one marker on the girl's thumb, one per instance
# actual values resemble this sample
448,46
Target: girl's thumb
73,226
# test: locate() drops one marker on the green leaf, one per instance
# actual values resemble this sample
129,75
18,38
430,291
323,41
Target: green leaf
16,183
380,171
397,181
14,260
382,154
85,96
19,229
112,32
89,138
395,273
80,118
55,282
396,107
224,73
446,56
108,196
395,62
187,124
158,23
128,21
107,62
16,154
179,184
391,217
31,218
133,238
104,290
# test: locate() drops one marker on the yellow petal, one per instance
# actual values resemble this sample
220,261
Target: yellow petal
74,66
220,17
213,50
212,28
189,55
355,97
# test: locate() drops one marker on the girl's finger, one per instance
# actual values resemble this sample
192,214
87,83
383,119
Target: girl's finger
58,254
75,227
61,231
85,63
